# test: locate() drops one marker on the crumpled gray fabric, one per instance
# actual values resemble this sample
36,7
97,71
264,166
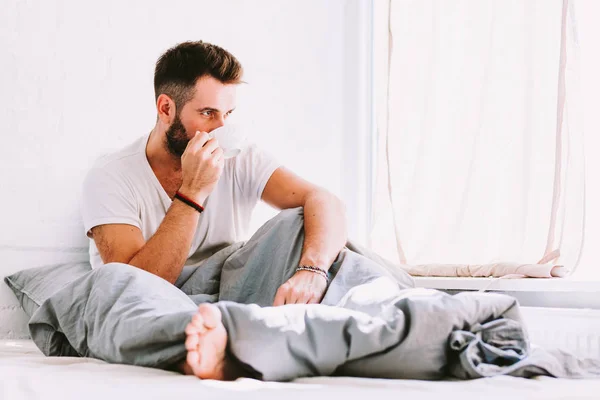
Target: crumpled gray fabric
372,322
252,272
500,347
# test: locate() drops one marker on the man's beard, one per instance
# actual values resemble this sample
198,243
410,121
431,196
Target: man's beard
176,138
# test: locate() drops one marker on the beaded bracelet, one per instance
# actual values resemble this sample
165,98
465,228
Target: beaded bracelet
315,270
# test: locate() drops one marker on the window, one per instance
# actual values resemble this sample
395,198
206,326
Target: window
473,90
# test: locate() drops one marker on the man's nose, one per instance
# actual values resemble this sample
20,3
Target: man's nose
219,122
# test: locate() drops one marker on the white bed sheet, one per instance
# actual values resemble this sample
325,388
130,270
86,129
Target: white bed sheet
26,374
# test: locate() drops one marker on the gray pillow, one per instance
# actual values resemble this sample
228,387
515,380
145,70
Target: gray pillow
33,286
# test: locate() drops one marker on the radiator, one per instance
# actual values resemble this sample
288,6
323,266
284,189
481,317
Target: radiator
574,330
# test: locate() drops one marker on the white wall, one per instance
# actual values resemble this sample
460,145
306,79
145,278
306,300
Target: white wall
77,81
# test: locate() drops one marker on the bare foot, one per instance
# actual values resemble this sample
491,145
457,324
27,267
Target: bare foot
206,342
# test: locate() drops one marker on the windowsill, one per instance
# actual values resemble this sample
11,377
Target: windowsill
531,292
519,284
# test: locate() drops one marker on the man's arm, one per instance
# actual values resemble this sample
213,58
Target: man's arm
166,251
324,230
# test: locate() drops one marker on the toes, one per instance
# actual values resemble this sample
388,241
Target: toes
192,329
198,324
191,342
193,359
210,314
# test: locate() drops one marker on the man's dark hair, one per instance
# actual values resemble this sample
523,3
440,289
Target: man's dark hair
178,69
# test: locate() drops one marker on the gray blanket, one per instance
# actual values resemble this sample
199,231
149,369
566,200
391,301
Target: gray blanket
372,322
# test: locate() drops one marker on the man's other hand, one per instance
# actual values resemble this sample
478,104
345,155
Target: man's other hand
304,287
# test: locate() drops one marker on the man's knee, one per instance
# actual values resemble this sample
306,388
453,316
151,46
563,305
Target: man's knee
291,215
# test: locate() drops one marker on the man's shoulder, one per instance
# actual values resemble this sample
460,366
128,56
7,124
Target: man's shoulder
124,166
122,160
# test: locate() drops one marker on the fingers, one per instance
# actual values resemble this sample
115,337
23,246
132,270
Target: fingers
316,298
304,298
286,294
210,146
293,296
196,143
280,296
289,294
202,142
218,158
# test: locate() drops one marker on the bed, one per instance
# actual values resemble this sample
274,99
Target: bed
27,374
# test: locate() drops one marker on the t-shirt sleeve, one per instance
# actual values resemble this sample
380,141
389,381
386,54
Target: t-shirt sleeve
253,169
107,199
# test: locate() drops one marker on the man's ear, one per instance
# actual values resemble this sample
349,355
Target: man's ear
166,109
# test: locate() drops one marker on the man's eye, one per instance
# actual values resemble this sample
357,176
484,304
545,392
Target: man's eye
207,113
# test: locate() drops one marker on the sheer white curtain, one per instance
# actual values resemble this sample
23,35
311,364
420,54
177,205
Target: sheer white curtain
480,155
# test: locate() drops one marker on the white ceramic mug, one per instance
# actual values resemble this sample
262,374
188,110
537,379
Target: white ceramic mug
230,138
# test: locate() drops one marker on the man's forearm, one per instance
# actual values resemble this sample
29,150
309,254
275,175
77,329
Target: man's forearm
325,229
167,250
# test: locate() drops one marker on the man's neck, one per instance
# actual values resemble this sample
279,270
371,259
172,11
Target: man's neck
160,159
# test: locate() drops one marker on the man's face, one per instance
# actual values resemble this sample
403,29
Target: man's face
212,103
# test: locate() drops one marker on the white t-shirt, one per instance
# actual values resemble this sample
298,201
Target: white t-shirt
121,188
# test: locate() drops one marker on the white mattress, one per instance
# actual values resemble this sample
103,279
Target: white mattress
26,374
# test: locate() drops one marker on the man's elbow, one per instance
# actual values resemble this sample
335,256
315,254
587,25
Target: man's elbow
333,202
337,203
108,256
341,205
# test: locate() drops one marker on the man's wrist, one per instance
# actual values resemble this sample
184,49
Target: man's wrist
314,271
189,202
198,197
317,262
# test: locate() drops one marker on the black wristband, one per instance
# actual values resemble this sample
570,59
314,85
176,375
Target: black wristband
188,201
